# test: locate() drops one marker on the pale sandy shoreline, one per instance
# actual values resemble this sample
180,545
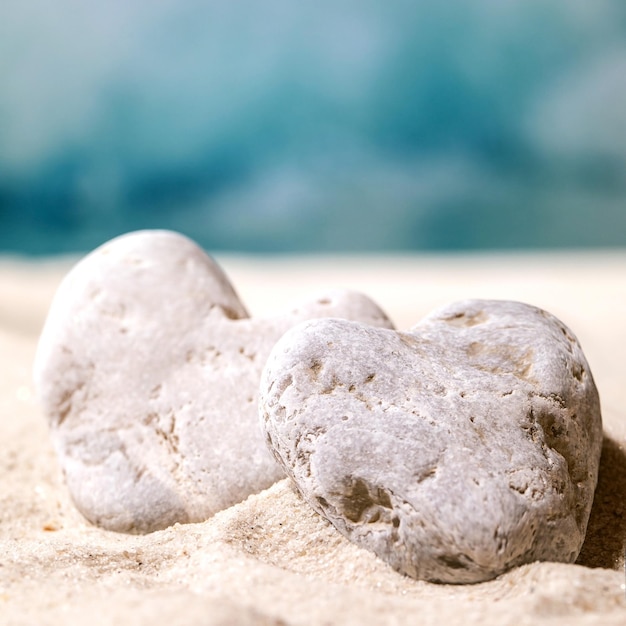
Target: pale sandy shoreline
270,560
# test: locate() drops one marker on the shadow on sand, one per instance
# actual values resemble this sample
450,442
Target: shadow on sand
606,533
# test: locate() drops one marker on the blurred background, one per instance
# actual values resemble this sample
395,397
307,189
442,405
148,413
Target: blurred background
343,126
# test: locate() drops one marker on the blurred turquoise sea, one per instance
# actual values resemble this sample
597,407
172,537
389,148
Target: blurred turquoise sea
284,126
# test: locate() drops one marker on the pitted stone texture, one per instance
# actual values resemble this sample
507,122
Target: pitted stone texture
148,371
454,451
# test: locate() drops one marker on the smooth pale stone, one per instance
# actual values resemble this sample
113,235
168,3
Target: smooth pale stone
454,451
148,371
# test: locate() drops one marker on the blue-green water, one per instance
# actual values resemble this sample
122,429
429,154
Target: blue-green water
335,125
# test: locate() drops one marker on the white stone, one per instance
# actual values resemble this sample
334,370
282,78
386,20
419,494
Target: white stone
148,371
454,451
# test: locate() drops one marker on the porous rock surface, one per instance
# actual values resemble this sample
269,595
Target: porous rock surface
454,451
148,370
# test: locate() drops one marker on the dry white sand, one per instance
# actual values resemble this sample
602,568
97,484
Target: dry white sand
270,560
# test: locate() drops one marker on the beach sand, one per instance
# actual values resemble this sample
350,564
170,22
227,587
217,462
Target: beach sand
270,559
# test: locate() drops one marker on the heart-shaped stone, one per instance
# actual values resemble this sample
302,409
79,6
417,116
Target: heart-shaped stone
454,451
148,371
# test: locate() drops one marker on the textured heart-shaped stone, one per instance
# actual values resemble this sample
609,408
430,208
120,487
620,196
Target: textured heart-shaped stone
454,451
148,371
